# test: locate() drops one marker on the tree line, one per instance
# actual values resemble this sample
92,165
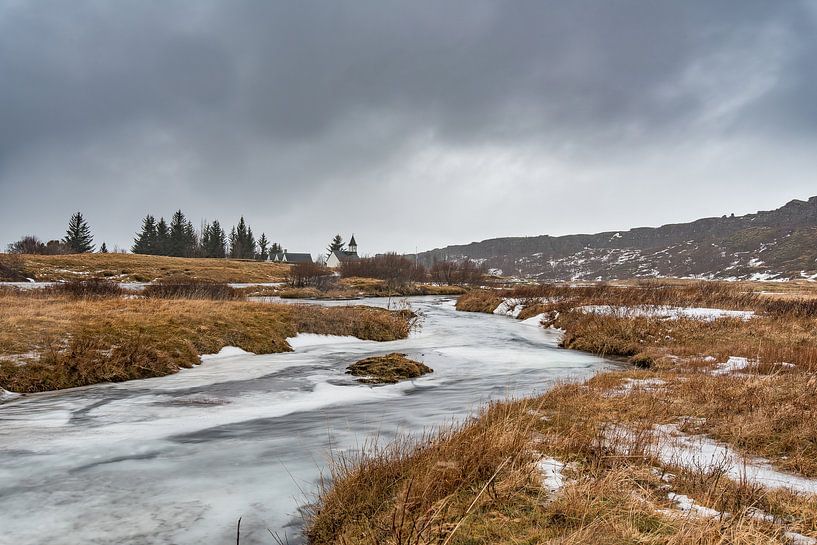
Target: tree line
180,239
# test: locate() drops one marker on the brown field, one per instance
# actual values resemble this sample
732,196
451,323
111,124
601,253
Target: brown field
477,483
148,268
50,341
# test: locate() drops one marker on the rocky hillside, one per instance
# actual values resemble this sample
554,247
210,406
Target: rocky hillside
767,245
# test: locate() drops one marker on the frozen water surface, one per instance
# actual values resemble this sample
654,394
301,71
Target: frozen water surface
177,459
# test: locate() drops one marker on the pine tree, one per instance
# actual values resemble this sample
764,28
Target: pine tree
78,237
162,238
103,249
336,245
145,241
275,248
218,241
249,245
242,241
263,244
233,243
177,243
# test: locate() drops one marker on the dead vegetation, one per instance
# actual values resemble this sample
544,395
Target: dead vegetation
387,369
478,483
50,341
145,268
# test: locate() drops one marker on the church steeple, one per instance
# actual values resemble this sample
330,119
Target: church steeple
352,245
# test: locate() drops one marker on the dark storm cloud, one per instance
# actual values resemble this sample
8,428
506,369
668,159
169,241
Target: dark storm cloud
331,110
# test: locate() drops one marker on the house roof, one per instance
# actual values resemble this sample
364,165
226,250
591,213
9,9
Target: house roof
291,257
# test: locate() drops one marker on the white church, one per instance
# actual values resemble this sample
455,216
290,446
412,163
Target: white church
339,256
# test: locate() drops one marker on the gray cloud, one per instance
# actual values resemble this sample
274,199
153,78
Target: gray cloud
411,123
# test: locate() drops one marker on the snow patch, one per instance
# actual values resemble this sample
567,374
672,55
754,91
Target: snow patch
226,352
5,395
303,340
535,321
510,307
551,471
630,384
686,506
667,313
733,364
700,453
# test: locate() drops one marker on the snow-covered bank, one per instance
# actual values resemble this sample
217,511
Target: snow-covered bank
303,340
701,453
667,313
226,352
5,395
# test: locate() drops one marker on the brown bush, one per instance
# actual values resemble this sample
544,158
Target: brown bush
12,268
192,289
310,275
93,288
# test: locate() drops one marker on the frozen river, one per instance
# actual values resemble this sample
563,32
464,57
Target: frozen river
178,459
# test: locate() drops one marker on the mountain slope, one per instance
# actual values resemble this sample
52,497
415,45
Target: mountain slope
774,244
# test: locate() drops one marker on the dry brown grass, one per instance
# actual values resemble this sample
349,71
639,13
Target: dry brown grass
403,494
51,342
476,483
147,268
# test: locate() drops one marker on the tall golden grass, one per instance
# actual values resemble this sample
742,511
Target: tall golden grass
49,342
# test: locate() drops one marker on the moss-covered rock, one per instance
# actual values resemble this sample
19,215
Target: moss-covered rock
387,369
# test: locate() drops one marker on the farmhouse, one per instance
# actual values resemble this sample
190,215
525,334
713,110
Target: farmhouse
290,257
339,256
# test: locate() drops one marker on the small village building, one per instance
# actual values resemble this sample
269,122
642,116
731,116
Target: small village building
339,256
290,257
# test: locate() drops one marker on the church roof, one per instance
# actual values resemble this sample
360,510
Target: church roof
352,242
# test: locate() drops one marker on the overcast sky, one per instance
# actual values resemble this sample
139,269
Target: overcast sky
410,123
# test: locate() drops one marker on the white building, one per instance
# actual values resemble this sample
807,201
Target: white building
339,256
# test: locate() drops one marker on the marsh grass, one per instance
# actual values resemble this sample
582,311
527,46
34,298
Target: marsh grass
49,342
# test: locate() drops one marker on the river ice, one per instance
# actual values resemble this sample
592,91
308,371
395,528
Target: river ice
178,459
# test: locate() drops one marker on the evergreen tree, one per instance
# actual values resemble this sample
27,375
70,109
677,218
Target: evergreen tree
145,242
242,241
218,240
233,243
263,250
162,238
103,249
179,242
275,248
337,245
78,237
249,245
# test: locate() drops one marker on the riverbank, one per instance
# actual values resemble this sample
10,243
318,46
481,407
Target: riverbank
712,438
53,341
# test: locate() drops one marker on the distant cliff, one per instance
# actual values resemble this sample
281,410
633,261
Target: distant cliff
774,244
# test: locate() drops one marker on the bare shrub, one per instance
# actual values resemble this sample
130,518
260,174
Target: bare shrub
12,268
192,289
394,269
310,275
93,288
465,272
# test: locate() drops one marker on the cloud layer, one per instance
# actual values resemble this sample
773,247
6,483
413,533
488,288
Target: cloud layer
413,124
